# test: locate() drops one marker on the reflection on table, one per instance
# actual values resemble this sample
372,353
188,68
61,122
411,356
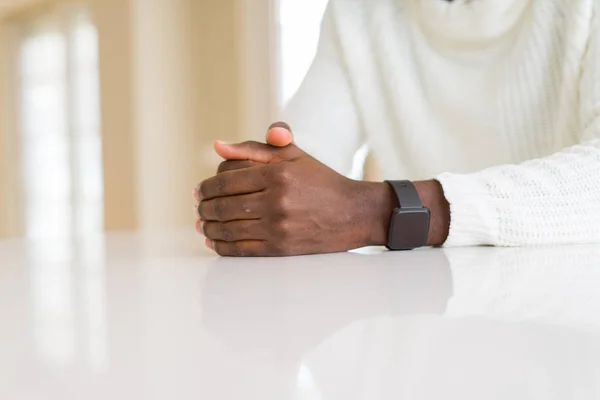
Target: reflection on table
155,316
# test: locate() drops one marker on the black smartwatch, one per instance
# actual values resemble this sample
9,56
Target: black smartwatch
409,224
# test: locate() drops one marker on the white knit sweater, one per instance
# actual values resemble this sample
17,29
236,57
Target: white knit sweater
497,99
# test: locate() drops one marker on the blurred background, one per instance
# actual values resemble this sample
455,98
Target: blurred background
109,108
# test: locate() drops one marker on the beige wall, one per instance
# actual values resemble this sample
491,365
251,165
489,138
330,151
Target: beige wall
217,62
168,135
175,75
10,216
113,20
5,163
170,88
257,35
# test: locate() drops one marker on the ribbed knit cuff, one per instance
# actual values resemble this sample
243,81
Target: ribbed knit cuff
474,218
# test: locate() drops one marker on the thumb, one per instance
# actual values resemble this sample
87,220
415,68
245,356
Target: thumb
257,152
280,135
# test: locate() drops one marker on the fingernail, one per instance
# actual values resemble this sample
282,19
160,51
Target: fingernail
280,124
196,194
199,226
209,244
221,142
196,212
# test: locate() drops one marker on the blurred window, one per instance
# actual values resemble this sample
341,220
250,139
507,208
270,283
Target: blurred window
59,124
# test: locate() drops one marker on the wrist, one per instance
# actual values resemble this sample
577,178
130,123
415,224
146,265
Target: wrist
432,197
377,201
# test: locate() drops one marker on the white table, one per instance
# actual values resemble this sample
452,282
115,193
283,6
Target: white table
156,316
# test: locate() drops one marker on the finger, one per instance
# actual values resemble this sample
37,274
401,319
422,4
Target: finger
232,165
231,183
231,208
280,135
252,151
234,231
195,194
258,152
247,248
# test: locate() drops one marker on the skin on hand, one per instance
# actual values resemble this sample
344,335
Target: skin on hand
275,200
278,135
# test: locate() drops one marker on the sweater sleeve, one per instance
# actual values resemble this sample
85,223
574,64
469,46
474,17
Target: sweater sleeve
322,113
549,201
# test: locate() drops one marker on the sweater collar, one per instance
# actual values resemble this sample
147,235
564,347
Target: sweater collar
469,21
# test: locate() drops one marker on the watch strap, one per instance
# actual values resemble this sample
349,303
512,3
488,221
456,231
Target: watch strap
406,193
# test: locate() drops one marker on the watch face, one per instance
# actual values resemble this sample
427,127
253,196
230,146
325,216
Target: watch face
409,229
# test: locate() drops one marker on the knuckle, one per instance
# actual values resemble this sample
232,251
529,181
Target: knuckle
254,204
222,184
283,174
255,227
243,228
239,251
283,229
265,172
220,209
283,204
243,175
235,250
246,208
226,233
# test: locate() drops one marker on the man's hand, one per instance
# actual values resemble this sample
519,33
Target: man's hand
276,200
289,204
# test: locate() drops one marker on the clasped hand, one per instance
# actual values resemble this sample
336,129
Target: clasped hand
276,200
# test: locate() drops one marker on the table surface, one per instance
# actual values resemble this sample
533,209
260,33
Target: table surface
155,316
